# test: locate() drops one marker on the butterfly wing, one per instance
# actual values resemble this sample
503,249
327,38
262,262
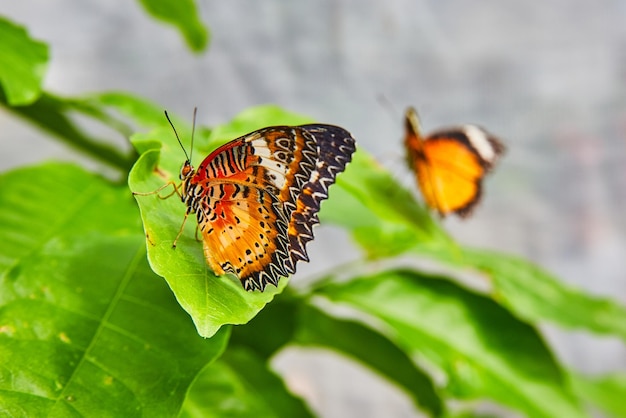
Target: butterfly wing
450,176
250,192
335,148
243,229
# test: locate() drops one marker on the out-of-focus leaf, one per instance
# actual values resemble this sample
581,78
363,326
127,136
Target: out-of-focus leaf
281,317
239,384
51,114
536,295
138,109
294,321
372,349
23,62
86,328
184,16
484,351
211,301
606,393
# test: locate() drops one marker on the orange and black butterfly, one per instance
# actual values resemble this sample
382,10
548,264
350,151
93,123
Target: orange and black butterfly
450,164
257,197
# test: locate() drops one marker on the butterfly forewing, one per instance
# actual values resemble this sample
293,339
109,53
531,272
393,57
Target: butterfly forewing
335,147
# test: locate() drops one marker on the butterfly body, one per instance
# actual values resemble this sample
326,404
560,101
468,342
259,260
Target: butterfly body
256,198
450,164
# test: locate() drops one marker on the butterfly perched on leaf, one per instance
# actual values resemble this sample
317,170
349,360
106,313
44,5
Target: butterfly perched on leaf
257,198
450,164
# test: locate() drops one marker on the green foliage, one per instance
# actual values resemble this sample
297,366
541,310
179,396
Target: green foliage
86,328
482,348
22,64
239,384
97,314
183,15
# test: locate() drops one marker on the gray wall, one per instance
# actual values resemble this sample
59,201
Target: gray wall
548,77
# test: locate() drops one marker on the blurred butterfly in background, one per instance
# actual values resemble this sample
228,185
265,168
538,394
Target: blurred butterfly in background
450,164
257,198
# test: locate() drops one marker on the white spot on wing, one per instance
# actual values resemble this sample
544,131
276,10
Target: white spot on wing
279,170
479,140
260,148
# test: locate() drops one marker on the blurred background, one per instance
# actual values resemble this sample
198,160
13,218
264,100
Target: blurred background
549,78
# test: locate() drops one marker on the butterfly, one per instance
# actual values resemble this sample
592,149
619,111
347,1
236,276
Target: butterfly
450,164
257,198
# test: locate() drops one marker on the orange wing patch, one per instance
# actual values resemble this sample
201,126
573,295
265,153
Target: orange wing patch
450,164
241,229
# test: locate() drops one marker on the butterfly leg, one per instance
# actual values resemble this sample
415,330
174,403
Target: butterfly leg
176,186
180,231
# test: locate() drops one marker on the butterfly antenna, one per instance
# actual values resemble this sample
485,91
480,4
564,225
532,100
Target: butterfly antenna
193,129
386,104
177,137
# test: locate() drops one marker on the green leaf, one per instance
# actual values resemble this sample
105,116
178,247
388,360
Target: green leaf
535,295
210,300
281,317
239,384
606,392
53,114
86,328
39,203
184,16
140,110
372,349
484,351
23,64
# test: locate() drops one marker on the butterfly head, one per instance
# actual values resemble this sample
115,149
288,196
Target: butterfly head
413,136
186,171
412,122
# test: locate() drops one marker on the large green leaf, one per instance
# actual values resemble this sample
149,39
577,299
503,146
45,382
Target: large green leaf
86,328
606,392
372,349
23,63
536,295
211,301
239,384
184,16
484,351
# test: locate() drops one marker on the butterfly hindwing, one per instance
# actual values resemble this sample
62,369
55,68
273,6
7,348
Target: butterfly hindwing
449,175
243,231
